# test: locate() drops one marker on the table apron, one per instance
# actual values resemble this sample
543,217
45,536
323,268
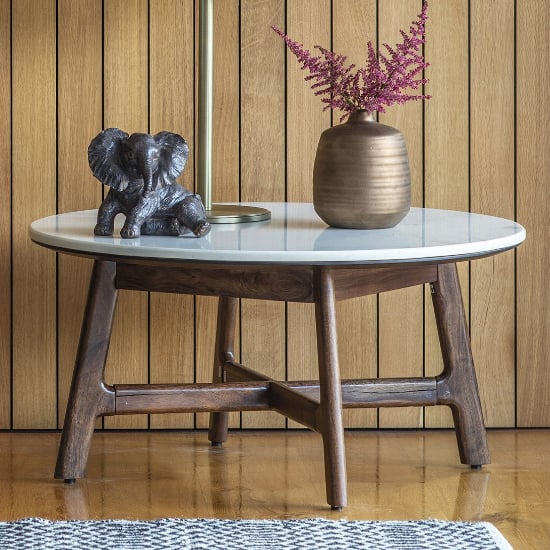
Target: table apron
269,282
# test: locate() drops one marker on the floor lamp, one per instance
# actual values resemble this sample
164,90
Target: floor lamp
217,213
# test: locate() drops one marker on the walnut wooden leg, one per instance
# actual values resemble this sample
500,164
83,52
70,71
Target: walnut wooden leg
330,422
89,396
457,385
225,345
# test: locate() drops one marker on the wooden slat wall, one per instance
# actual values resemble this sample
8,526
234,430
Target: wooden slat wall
262,176
171,88
69,68
5,218
492,285
401,323
533,210
126,105
354,21
225,171
446,167
33,135
79,90
301,143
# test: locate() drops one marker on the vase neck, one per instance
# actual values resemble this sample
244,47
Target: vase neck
361,116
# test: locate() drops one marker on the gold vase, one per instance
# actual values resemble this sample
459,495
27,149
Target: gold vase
361,176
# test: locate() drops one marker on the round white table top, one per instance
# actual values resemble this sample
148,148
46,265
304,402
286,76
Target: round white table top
295,235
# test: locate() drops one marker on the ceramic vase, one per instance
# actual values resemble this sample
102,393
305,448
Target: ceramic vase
361,176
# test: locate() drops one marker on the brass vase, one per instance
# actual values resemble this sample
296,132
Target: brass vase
361,176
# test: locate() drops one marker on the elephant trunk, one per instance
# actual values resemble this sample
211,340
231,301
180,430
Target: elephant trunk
141,160
146,169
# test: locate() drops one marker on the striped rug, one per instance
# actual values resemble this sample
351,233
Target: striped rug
209,534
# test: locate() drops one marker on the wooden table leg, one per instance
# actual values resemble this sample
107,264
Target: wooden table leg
457,385
330,421
225,346
89,396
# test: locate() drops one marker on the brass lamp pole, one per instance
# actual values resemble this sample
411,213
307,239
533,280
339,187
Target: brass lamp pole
217,213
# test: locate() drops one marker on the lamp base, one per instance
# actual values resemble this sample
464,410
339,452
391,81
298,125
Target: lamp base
234,213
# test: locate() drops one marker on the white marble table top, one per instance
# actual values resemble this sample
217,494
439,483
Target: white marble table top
295,235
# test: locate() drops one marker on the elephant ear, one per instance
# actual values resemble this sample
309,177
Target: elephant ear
105,158
173,152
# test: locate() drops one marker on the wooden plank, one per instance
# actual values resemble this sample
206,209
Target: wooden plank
5,219
262,176
33,194
235,372
263,349
377,392
225,172
353,24
79,45
307,22
533,211
262,102
445,148
301,345
271,283
171,88
492,290
172,349
294,405
352,283
401,313
192,397
225,151
125,106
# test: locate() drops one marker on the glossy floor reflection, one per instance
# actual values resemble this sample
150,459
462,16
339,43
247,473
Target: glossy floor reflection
391,475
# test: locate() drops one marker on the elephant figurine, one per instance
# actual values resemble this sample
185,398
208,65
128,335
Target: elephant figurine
141,172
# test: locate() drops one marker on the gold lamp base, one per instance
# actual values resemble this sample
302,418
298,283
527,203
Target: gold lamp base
234,213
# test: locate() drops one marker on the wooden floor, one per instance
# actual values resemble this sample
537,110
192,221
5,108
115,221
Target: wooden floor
391,475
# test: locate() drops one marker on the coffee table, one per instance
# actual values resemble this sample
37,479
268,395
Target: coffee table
293,257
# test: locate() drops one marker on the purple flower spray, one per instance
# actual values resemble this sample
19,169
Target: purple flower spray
382,82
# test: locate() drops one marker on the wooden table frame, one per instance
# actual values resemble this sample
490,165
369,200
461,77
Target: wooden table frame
315,404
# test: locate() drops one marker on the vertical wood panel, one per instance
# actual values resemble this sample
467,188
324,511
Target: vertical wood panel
225,153
126,107
79,91
401,313
262,102
262,176
446,148
309,23
5,219
225,171
354,23
172,335
533,211
33,193
492,192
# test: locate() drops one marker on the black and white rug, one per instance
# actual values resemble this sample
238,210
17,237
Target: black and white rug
210,534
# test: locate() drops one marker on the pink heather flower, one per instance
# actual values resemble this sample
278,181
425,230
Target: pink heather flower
386,79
